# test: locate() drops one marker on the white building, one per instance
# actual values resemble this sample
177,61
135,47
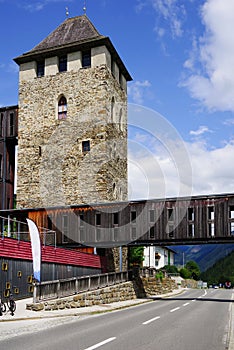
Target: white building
158,257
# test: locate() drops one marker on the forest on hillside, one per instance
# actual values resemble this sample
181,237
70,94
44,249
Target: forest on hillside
221,272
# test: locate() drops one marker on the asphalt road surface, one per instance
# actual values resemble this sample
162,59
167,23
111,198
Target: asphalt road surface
194,320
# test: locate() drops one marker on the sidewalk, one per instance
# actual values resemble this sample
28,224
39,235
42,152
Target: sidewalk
22,314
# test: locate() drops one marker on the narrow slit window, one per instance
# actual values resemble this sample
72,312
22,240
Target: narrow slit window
151,215
98,234
98,219
191,230
232,228
116,233
11,125
116,218
231,212
134,233
1,124
65,228
81,220
170,213
211,229
211,213
133,216
191,214
62,108
152,232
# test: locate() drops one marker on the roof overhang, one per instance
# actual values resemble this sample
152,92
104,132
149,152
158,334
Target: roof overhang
36,55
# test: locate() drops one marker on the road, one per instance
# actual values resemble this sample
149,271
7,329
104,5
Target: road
196,319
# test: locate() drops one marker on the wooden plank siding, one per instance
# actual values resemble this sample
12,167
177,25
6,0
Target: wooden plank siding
188,220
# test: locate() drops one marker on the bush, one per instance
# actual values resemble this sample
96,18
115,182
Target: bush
159,275
185,273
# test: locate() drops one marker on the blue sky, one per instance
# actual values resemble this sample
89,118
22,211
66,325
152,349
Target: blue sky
180,54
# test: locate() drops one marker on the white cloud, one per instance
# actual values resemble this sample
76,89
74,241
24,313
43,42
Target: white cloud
212,169
137,91
153,176
200,131
170,14
213,83
229,122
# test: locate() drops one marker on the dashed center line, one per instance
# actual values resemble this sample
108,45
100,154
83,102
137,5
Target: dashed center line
100,344
151,320
175,309
186,304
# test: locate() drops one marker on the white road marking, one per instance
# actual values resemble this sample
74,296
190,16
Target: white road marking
185,304
194,300
175,309
100,344
151,320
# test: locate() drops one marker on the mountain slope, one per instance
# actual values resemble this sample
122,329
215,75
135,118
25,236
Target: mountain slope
221,272
204,255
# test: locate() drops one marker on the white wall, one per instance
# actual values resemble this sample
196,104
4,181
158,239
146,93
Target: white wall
164,253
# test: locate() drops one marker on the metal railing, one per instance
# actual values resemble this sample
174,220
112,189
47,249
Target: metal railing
12,228
67,287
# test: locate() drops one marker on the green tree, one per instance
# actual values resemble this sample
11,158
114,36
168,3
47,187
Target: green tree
170,269
185,273
136,255
194,269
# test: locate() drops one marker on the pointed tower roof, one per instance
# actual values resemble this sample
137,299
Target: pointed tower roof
77,33
72,30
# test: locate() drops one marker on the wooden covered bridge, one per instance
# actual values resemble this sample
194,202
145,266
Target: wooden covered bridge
171,221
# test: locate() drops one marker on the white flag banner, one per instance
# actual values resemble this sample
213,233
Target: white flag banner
36,249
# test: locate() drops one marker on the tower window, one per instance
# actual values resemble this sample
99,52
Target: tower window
86,146
63,64
112,108
40,69
86,59
62,108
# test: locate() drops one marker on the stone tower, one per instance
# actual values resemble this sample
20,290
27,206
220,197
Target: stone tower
72,143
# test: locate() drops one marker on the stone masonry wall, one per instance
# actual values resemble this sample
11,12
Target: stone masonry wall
120,292
52,168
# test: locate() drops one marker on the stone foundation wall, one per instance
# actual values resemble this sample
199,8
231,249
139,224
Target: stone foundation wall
189,283
121,292
152,286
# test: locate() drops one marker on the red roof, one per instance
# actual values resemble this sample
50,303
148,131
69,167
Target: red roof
14,249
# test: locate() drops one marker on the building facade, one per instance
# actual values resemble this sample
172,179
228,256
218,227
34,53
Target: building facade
72,145
158,257
8,142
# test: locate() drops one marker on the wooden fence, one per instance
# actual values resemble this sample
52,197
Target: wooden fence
62,288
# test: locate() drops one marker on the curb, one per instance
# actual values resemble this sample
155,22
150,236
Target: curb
108,308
